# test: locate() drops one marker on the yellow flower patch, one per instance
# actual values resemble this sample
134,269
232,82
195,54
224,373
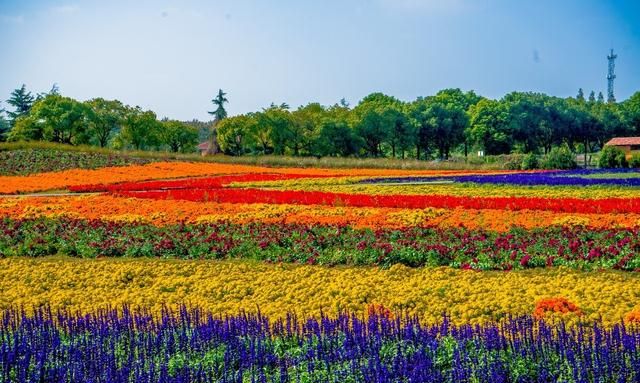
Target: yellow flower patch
232,286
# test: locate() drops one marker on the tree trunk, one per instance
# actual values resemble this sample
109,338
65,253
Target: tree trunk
586,149
418,152
213,139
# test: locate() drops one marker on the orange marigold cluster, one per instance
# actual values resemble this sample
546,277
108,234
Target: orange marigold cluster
557,305
633,317
379,310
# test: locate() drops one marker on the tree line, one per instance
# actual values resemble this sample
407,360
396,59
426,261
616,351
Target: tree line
432,127
98,122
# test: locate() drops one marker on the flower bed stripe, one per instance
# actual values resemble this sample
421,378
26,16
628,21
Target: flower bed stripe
121,345
581,248
565,205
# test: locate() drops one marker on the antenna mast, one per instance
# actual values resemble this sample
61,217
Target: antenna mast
611,76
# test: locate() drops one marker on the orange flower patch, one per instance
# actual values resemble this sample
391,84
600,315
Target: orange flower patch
633,317
379,310
167,170
163,212
556,305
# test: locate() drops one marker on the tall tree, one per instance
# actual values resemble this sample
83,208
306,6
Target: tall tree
448,122
219,114
529,119
490,127
305,127
178,136
105,119
463,100
236,134
336,137
22,101
140,129
374,119
277,122
600,97
580,96
592,97
61,119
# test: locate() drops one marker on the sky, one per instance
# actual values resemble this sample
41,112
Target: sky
173,56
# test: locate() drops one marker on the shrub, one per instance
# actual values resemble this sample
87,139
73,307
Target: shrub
635,161
530,162
612,157
559,158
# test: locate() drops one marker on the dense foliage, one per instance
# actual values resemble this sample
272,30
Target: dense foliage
578,247
121,345
612,157
433,127
99,122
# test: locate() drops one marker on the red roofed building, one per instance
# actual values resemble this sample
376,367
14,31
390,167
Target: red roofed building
630,145
203,148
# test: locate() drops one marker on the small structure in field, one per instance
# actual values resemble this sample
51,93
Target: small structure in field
630,145
203,148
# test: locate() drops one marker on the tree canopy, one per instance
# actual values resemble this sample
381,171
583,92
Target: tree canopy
379,125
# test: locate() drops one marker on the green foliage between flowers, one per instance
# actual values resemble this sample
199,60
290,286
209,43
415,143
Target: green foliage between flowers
612,157
578,247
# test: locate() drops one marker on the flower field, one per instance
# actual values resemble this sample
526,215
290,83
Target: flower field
175,271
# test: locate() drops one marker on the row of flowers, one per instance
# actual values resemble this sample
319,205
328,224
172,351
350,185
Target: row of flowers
582,248
226,195
352,185
124,345
556,178
167,170
228,287
163,212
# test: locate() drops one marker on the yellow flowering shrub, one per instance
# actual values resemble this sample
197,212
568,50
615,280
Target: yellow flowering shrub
231,286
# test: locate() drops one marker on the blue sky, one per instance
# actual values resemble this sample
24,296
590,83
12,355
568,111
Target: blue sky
172,56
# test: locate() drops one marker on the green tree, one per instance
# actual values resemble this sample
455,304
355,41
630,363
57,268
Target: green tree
178,136
580,96
276,130
612,157
22,101
140,129
631,110
4,126
62,119
424,130
219,114
375,119
236,134
490,127
25,128
305,127
529,119
336,137
402,136
105,119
